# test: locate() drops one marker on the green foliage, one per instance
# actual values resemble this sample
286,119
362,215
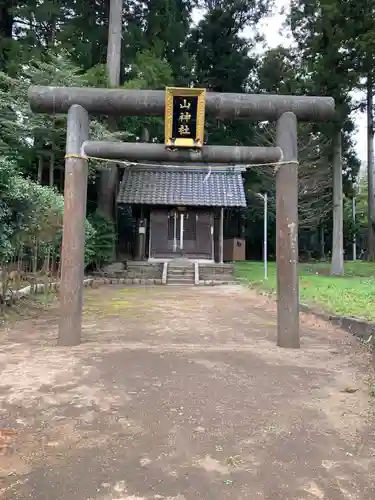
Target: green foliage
64,42
26,136
222,61
162,28
31,218
30,213
150,72
283,71
90,238
320,31
362,204
147,72
349,296
103,240
216,39
11,211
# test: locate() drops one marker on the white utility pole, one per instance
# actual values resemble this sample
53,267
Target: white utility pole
265,233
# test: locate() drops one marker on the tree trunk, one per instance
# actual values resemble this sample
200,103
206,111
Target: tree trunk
322,243
370,171
51,169
40,169
145,135
108,176
337,263
114,42
35,268
6,30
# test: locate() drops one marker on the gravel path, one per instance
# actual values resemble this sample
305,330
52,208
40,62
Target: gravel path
181,393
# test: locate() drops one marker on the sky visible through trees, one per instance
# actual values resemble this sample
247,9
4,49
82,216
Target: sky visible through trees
276,33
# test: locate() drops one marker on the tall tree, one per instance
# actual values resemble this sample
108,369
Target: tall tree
314,26
283,71
108,176
243,12
358,25
6,30
167,26
222,62
84,32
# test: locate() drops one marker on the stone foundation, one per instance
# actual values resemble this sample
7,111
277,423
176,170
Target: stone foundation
216,272
127,281
132,270
151,273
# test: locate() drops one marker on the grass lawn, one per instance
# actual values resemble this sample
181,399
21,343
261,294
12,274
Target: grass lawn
351,295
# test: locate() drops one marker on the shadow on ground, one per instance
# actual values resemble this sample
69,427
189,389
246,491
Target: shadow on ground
182,394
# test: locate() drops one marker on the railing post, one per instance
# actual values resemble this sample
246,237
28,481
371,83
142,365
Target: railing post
221,236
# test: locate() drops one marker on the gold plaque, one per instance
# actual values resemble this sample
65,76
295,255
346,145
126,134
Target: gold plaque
184,117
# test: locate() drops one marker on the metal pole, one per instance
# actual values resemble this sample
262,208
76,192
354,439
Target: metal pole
354,223
141,235
175,231
181,231
73,241
221,236
265,236
287,234
337,260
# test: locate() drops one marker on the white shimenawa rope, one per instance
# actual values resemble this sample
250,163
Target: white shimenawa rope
131,163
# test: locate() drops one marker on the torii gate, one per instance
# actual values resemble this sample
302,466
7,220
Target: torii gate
79,102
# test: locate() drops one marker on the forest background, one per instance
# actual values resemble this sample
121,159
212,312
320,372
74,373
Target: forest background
64,42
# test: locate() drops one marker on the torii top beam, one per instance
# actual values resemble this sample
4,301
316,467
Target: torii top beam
151,103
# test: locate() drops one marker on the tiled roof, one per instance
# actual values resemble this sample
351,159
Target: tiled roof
183,186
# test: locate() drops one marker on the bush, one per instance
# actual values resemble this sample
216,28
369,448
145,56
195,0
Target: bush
103,241
31,218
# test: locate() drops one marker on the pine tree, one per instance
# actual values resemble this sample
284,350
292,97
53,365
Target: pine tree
317,29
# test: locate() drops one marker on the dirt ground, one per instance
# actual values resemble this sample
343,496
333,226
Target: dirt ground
181,393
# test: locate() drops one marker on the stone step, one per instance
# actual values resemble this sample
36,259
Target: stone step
181,269
191,268
180,284
177,283
180,274
223,277
178,268
180,280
